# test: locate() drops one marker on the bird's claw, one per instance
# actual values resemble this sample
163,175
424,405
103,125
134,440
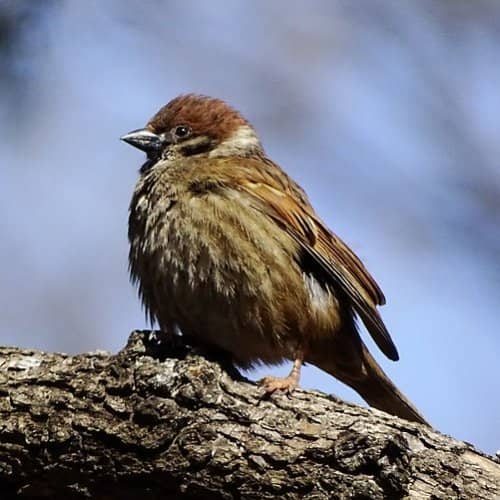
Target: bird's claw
274,384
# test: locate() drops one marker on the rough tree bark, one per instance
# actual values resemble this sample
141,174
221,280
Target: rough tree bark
160,421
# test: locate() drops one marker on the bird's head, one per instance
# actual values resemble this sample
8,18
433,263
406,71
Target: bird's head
195,125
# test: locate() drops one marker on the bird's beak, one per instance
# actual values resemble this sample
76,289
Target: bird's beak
144,140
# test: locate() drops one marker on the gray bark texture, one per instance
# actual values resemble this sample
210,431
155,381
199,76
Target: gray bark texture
158,420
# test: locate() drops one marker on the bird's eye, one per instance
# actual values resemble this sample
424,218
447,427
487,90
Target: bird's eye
182,131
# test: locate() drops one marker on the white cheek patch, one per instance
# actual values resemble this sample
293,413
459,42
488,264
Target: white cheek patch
243,141
195,141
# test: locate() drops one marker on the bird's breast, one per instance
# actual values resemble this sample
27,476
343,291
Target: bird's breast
223,271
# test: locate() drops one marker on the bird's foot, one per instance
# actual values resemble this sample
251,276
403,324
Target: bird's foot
273,384
286,384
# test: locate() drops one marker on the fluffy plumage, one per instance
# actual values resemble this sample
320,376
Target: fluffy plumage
227,247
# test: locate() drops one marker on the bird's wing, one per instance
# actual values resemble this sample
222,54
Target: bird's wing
332,260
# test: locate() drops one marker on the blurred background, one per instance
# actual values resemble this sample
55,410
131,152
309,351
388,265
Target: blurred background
386,112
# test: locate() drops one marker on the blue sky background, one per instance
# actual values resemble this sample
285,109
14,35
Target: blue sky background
386,112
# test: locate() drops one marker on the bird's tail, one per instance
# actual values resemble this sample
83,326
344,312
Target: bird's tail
374,386
378,391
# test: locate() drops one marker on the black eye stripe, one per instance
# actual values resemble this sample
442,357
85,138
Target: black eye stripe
196,145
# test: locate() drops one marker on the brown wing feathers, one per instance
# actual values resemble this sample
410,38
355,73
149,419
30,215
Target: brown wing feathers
336,261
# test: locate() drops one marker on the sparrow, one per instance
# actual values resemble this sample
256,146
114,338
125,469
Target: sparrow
227,248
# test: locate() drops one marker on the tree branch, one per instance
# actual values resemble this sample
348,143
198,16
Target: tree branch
160,421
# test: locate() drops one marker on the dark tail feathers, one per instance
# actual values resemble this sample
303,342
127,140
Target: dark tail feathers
378,391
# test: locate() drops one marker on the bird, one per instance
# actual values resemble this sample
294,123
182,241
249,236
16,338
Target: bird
227,249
